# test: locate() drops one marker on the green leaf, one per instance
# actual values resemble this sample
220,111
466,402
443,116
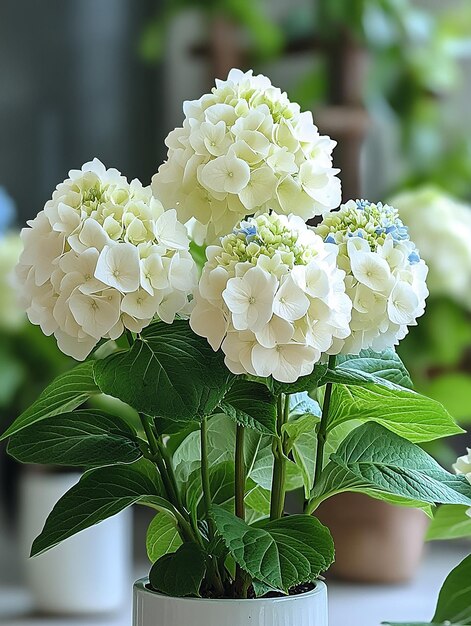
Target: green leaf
373,458
301,404
65,393
221,447
169,372
404,412
381,368
252,405
304,383
258,499
179,574
100,494
281,553
221,483
162,536
262,471
302,444
454,601
450,522
79,439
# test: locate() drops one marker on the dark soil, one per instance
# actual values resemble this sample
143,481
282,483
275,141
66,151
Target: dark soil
294,591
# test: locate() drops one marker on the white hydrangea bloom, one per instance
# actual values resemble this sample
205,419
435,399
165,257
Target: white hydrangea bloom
441,227
12,315
271,295
103,256
463,467
245,148
385,277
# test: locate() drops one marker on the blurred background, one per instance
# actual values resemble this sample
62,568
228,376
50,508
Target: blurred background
390,80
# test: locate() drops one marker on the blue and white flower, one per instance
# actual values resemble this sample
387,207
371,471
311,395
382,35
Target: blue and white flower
271,295
385,277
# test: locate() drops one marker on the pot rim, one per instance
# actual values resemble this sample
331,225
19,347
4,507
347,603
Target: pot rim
319,590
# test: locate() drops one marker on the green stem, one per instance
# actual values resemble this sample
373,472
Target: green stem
278,489
240,472
170,472
322,437
205,476
242,581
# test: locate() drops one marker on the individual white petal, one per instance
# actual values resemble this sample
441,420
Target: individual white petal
170,232
78,349
140,304
208,321
96,315
181,273
225,174
118,266
172,303
260,188
402,303
290,302
371,270
250,299
276,331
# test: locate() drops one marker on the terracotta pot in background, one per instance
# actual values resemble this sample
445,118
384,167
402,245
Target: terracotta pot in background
375,542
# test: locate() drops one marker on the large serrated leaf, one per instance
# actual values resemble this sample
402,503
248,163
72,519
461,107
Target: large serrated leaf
402,411
65,393
179,574
86,438
280,553
169,372
252,405
372,458
100,494
383,368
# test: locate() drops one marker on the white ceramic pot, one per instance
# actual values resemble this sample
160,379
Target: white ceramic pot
88,573
154,609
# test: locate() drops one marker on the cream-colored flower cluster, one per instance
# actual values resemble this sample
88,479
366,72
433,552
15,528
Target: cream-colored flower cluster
463,468
103,256
385,275
245,148
11,314
272,297
441,227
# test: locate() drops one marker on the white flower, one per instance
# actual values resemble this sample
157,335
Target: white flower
385,277
440,225
244,149
11,314
463,467
250,299
118,267
272,297
103,257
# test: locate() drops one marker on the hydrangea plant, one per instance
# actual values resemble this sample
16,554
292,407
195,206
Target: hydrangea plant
259,392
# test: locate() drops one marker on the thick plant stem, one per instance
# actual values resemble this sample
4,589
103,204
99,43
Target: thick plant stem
170,472
205,476
240,472
322,431
212,563
278,491
242,581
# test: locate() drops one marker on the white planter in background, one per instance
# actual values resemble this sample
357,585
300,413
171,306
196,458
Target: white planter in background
154,609
88,573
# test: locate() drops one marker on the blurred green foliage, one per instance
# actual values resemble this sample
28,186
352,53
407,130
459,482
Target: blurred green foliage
266,38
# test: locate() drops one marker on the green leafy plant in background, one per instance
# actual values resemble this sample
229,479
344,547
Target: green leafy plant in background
266,37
